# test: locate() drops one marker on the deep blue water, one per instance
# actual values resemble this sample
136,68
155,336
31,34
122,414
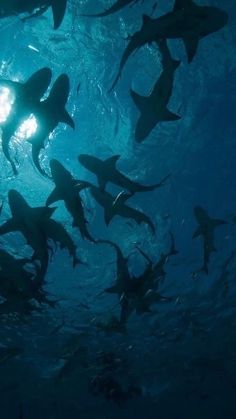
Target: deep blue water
182,355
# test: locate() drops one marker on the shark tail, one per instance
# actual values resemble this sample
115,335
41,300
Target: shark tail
6,152
159,184
58,9
217,222
35,157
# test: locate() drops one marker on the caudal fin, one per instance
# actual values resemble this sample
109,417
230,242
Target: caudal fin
58,10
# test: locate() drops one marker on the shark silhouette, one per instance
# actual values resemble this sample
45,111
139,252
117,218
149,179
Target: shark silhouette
29,221
116,206
206,229
27,95
153,108
19,284
49,113
34,8
187,21
123,281
116,7
67,189
106,171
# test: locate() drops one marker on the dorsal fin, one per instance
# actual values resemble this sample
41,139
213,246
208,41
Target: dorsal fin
111,161
43,212
39,82
121,198
139,100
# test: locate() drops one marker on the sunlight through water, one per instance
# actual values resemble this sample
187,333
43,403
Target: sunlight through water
6,102
27,128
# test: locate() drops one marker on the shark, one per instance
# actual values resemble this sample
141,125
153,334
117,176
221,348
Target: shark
49,113
19,284
34,8
106,171
154,107
116,7
117,206
29,221
187,21
26,96
136,293
123,281
67,189
206,228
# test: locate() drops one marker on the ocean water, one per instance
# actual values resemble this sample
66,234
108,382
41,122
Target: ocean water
179,358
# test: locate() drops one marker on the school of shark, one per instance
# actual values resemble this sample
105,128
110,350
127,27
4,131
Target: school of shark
99,188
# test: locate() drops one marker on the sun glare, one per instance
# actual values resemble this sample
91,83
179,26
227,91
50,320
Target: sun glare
27,129
6,102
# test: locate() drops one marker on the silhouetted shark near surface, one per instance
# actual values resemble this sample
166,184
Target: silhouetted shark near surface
116,7
34,8
49,113
187,21
26,96
206,229
116,206
28,221
153,108
106,171
67,189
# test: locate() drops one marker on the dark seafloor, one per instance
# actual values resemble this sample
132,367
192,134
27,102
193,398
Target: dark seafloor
181,357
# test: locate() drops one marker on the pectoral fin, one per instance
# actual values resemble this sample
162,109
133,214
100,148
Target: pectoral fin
8,226
53,197
191,45
170,116
140,101
111,161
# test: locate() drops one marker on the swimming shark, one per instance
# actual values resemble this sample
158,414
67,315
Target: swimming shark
49,113
153,108
106,171
26,96
116,7
187,21
67,189
116,206
34,8
29,221
19,284
123,277
206,229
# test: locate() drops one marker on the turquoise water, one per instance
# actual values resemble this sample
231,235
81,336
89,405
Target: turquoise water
180,357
